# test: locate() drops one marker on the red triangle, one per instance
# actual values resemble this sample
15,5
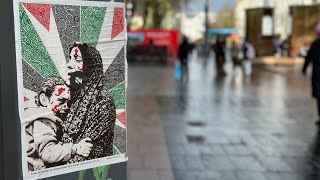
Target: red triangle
118,22
122,118
41,12
26,99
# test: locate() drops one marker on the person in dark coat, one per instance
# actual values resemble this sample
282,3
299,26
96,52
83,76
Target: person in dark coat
184,50
220,56
313,57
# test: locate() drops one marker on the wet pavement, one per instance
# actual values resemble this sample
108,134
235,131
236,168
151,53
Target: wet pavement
231,128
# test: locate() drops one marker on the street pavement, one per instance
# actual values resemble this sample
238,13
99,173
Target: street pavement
229,128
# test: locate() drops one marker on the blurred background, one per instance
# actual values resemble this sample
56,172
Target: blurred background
215,90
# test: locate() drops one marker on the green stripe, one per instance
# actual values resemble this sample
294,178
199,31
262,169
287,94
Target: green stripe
33,50
115,151
119,96
91,23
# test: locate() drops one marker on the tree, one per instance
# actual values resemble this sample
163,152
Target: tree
156,10
224,18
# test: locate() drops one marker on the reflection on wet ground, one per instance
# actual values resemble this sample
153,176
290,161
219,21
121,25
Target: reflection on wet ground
232,128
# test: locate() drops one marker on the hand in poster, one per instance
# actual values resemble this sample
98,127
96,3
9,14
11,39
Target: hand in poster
83,148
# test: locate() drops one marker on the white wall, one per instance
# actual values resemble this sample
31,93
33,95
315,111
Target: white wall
193,26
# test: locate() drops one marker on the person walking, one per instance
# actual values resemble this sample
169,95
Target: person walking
313,57
183,54
219,49
236,54
277,46
249,55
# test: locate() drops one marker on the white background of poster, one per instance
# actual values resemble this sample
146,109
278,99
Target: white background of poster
109,50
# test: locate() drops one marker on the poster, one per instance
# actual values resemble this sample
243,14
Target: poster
71,65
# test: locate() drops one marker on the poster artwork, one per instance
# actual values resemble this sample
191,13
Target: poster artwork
71,68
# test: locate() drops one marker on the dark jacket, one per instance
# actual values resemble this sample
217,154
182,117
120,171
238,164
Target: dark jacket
184,49
314,57
219,49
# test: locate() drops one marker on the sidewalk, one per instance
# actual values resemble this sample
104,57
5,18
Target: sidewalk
271,60
147,149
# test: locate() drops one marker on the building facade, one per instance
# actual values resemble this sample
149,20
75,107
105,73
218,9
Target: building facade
282,22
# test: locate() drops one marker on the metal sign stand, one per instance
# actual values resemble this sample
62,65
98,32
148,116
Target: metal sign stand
10,131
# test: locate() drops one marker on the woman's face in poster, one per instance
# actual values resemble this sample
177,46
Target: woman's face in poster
75,63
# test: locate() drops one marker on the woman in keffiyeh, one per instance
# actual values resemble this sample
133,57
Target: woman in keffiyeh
92,111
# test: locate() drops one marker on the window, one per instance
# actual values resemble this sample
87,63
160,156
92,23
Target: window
267,25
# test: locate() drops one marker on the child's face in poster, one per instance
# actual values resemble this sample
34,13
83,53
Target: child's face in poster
58,102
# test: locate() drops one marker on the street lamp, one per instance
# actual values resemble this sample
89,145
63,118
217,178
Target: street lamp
129,12
129,9
206,44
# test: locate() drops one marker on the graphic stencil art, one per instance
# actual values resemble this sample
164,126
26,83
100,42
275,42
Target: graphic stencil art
71,64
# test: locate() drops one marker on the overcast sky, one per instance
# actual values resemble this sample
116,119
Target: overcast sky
215,5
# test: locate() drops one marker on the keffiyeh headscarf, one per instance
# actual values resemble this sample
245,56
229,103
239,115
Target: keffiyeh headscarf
92,111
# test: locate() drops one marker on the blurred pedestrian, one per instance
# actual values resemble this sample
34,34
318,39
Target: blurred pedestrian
277,46
313,57
183,54
236,54
249,55
303,50
219,49
285,47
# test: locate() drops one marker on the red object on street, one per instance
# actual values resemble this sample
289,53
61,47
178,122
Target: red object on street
159,37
